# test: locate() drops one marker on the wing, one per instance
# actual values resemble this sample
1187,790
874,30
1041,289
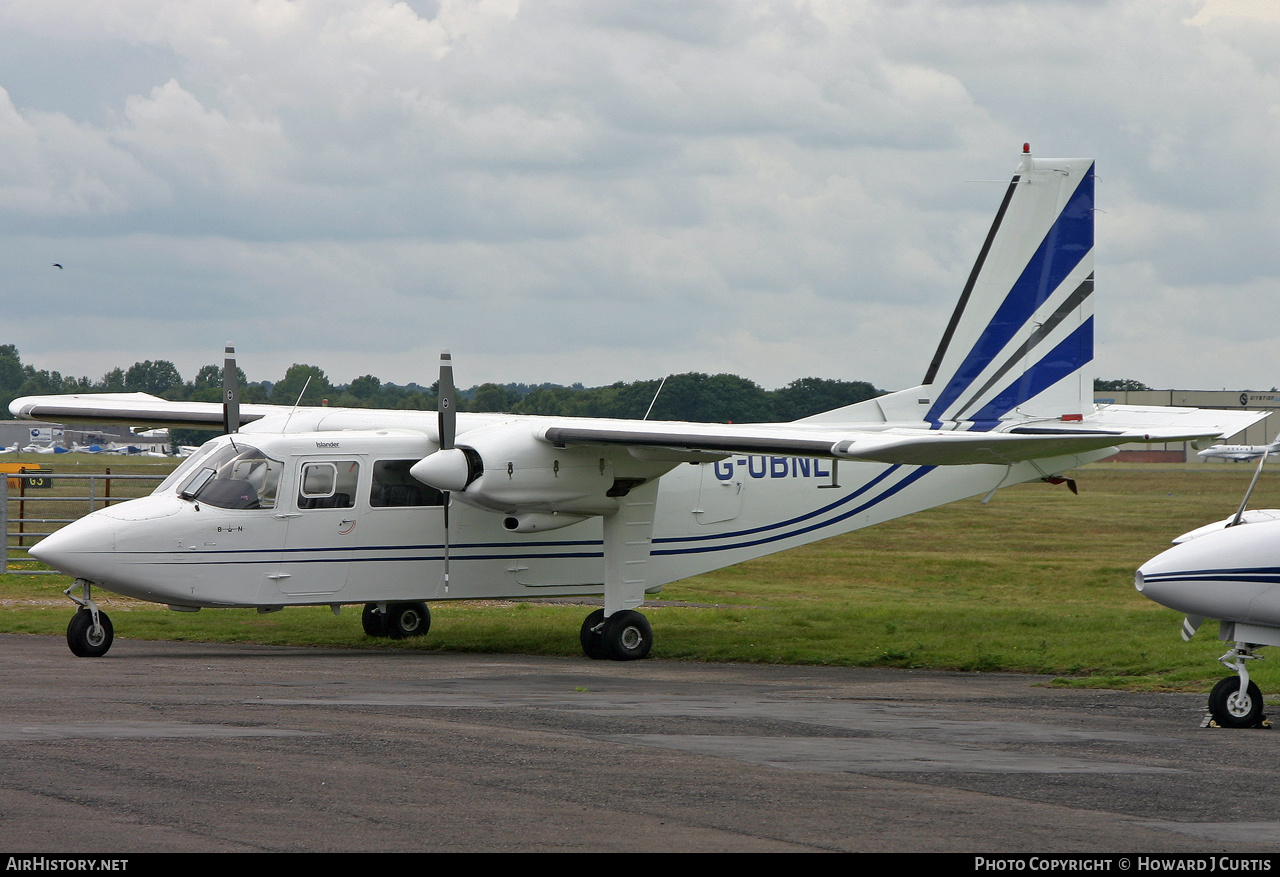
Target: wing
132,409
1010,442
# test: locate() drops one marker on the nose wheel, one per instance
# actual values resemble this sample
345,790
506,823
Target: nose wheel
1232,708
89,633
1236,702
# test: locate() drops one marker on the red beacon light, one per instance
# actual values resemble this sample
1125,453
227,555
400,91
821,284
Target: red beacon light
1026,149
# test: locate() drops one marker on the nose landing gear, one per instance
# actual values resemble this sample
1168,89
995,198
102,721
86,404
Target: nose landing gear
1235,701
89,633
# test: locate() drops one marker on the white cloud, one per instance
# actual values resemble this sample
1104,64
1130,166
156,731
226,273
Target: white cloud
596,191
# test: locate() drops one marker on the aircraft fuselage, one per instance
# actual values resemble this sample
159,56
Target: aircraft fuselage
337,520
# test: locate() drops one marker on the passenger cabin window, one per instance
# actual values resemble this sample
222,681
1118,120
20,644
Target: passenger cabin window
328,485
393,486
235,476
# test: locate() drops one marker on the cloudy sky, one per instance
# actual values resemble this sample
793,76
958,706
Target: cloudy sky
613,190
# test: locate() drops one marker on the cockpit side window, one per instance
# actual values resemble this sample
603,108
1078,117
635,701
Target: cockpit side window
235,476
328,485
394,486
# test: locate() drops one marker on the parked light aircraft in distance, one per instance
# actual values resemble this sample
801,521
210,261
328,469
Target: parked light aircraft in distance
1238,453
1228,571
391,509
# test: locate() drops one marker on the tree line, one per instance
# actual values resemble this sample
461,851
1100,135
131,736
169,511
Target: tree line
691,396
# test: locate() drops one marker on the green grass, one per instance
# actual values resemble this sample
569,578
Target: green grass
1037,581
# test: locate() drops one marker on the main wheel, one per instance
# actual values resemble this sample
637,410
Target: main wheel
372,620
406,619
1230,708
83,640
590,636
627,635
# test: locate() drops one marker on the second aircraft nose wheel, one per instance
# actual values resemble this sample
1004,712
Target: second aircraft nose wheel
1232,709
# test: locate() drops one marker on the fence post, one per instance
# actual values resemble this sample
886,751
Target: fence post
4,523
22,505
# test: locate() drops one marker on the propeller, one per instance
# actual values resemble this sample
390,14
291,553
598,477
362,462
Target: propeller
447,422
1190,625
230,392
450,468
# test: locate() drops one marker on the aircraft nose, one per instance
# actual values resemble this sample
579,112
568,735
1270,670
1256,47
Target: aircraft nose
80,549
1218,575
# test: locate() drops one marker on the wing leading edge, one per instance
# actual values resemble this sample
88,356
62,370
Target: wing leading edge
132,409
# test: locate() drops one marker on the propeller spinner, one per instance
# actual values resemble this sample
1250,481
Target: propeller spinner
449,468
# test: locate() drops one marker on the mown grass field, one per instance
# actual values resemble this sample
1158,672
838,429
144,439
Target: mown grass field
1037,581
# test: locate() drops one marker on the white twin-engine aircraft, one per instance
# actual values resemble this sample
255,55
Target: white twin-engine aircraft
1228,571
390,509
1239,453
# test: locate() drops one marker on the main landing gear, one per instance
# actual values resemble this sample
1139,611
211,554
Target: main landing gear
623,636
1236,702
89,634
396,620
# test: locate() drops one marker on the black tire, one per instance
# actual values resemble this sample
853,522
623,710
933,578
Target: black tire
404,620
372,620
627,635
590,636
1230,709
83,641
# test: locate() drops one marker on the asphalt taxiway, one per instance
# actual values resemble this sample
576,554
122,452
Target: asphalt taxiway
193,747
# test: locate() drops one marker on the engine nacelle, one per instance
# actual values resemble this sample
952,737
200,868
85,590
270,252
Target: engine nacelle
504,468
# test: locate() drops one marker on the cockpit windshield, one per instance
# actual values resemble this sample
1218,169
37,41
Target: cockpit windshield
233,476
186,467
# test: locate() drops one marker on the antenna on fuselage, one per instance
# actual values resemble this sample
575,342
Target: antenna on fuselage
294,409
655,397
1244,502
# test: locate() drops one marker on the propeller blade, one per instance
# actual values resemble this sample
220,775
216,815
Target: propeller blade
448,404
448,501
230,392
1190,625
448,457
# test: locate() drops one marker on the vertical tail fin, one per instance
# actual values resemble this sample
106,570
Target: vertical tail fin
1022,332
